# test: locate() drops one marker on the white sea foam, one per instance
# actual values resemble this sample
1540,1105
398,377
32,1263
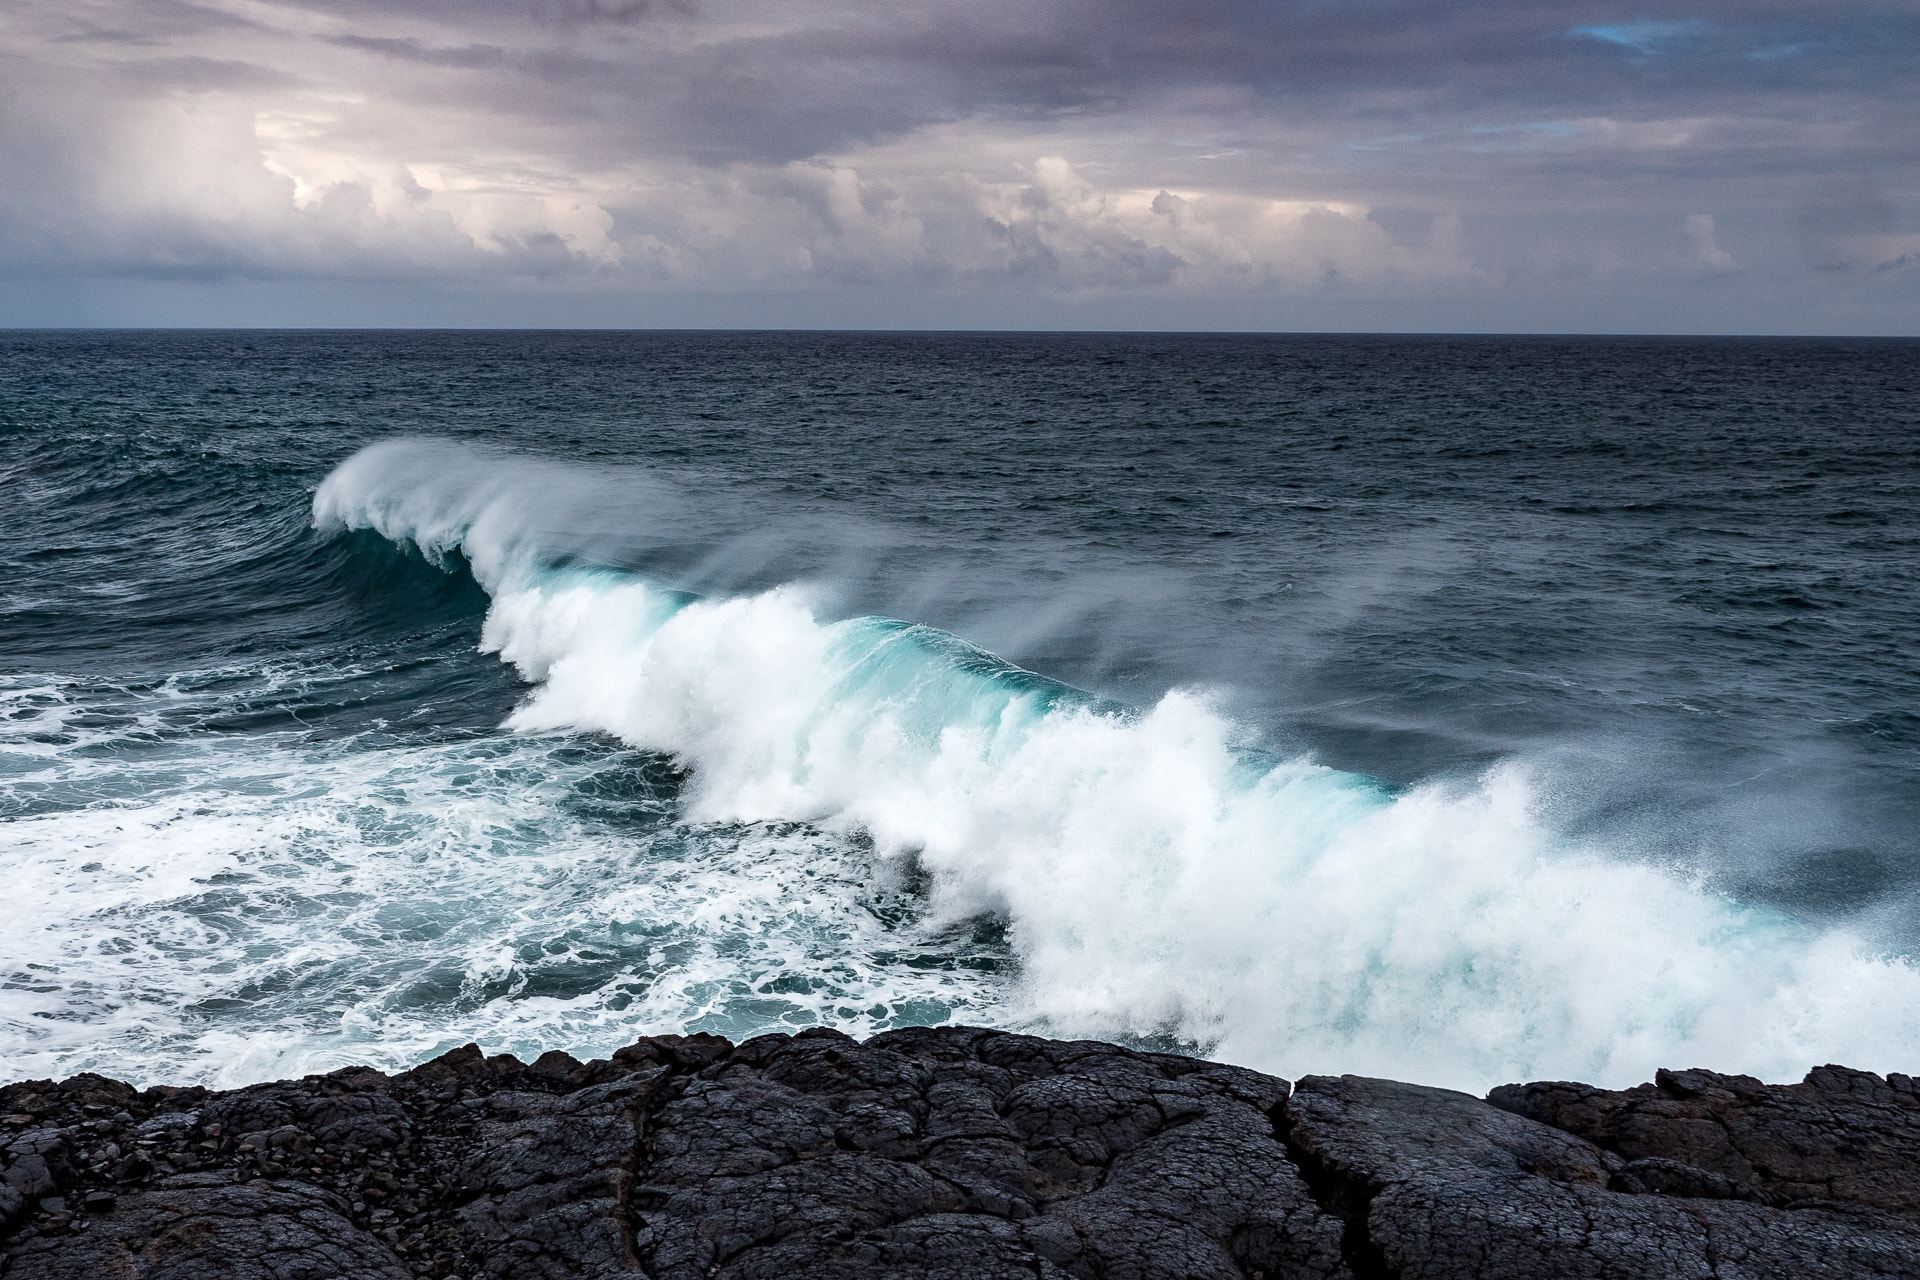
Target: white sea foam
1156,877
237,909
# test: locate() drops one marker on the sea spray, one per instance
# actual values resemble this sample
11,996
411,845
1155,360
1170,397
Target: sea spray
1155,874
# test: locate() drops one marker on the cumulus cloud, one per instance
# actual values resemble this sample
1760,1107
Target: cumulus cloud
1706,247
1215,149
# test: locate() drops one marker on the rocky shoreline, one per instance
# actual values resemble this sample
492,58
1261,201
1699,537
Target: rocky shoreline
956,1153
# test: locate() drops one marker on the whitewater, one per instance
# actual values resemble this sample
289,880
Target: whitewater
1156,875
1463,710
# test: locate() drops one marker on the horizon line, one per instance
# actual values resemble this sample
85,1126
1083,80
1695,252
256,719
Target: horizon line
974,331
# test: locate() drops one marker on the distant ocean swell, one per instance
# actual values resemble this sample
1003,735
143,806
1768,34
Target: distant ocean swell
1154,875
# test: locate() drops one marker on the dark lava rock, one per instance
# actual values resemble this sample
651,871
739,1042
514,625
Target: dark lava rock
1454,1187
1843,1136
951,1153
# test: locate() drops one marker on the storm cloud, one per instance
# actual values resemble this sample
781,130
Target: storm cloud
1292,163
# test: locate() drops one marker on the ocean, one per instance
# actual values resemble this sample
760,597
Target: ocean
1456,709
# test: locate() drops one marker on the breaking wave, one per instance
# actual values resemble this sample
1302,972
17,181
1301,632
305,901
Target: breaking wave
1155,873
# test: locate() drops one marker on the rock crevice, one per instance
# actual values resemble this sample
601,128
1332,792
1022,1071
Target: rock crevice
1340,1195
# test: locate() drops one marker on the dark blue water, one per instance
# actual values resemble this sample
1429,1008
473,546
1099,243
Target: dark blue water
1501,670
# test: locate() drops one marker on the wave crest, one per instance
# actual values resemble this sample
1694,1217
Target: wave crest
1156,875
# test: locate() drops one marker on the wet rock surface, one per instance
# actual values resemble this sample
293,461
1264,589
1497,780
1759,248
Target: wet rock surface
951,1152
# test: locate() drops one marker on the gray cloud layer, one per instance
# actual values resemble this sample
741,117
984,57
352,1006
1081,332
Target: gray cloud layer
1755,159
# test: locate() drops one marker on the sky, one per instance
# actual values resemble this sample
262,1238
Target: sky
1395,165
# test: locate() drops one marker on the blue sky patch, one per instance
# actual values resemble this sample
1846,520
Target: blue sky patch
1645,37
